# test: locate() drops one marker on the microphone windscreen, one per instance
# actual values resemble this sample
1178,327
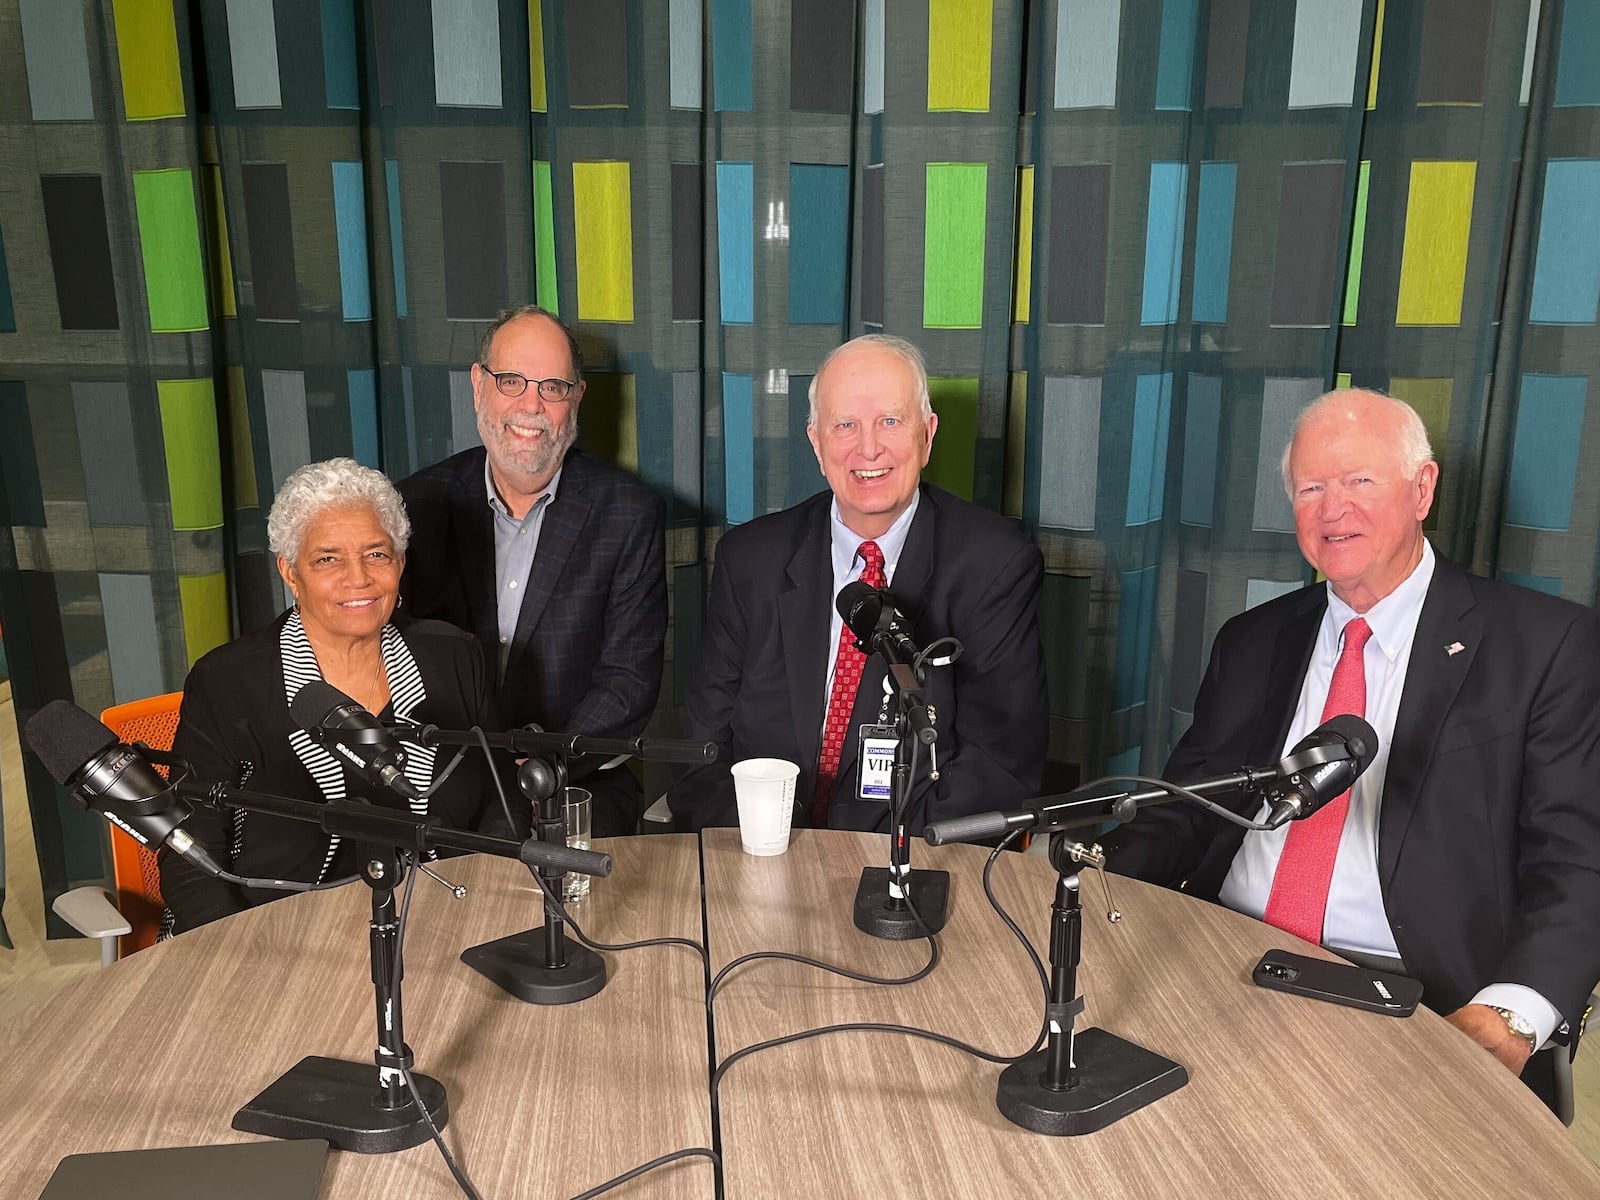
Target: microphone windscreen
1357,734
313,702
859,604
65,738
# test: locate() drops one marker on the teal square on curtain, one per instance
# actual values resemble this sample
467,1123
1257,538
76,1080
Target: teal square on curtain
1147,463
8,315
1125,762
1213,241
819,224
1175,64
730,55
1578,71
1136,614
738,446
363,387
1566,273
1544,453
397,248
350,218
736,236
339,54
1163,242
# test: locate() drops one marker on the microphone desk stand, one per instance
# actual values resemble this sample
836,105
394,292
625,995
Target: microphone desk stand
1079,1082
885,894
335,1099
539,965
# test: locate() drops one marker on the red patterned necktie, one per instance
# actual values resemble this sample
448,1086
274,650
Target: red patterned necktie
847,665
1299,896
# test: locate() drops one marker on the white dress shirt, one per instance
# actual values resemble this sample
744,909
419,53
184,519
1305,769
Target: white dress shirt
1355,918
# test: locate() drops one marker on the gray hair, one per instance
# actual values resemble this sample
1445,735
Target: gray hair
1414,447
337,483
508,315
897,346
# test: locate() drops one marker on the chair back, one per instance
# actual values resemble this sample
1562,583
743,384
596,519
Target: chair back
134,870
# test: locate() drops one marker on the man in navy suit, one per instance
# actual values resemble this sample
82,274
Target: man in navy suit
1468,854
770,658
554,559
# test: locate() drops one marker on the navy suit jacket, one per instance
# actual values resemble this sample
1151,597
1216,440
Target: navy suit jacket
765,654
586,656
1489,826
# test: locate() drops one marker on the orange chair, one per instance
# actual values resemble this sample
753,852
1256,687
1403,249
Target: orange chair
153,721
135,874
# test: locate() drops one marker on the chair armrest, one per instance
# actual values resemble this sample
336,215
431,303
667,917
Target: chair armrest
90,911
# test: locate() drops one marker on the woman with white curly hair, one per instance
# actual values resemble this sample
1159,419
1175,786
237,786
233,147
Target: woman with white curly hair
339,531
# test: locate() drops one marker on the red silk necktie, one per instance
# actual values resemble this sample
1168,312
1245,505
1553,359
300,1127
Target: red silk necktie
1299,896
847,665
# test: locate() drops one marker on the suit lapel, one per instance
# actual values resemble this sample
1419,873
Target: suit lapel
471,526
1286,675
558,535
1433,679
803,631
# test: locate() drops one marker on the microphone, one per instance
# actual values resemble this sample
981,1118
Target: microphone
114,779
337,722
1322,766
871,615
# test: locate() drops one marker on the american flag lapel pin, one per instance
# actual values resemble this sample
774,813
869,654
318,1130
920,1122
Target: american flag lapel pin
1454,648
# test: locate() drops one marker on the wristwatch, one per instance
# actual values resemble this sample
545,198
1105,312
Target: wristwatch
1519,1025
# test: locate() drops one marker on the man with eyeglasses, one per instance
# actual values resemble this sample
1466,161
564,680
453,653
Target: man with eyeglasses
555,559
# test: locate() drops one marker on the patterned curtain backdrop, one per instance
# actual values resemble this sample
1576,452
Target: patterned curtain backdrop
1132,237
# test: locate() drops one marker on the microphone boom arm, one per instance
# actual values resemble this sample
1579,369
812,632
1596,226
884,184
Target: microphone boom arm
373,825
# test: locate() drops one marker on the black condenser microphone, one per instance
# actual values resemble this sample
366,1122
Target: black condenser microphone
1323,765
355,735
113,778
870,614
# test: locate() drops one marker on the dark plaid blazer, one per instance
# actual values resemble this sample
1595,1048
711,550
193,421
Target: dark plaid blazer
587,652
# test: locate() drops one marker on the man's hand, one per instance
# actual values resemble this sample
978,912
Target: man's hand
1488,1028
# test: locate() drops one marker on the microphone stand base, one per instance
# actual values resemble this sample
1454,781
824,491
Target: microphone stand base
930,892
1115,1078
516,964
337,1100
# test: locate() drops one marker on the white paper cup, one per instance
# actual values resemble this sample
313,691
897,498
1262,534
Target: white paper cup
764,788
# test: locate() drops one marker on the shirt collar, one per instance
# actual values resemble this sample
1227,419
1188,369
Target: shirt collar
1393,619
499,506
846,542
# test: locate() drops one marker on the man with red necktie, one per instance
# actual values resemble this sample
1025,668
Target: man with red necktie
1468,854
779,676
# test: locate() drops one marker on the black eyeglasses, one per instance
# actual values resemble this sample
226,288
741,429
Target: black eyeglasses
514,383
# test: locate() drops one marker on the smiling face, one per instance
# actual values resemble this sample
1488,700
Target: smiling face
346,577
1356,515
870,437
526,437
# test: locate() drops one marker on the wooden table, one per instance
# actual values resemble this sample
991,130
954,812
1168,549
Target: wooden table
160,1049
1287,1096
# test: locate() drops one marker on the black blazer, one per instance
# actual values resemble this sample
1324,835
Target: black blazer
234,727
765,655
586,656
1489,827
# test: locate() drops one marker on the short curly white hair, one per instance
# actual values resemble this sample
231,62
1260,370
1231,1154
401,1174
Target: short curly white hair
336,483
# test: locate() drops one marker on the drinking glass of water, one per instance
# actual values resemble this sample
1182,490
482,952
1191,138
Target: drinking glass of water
578,804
